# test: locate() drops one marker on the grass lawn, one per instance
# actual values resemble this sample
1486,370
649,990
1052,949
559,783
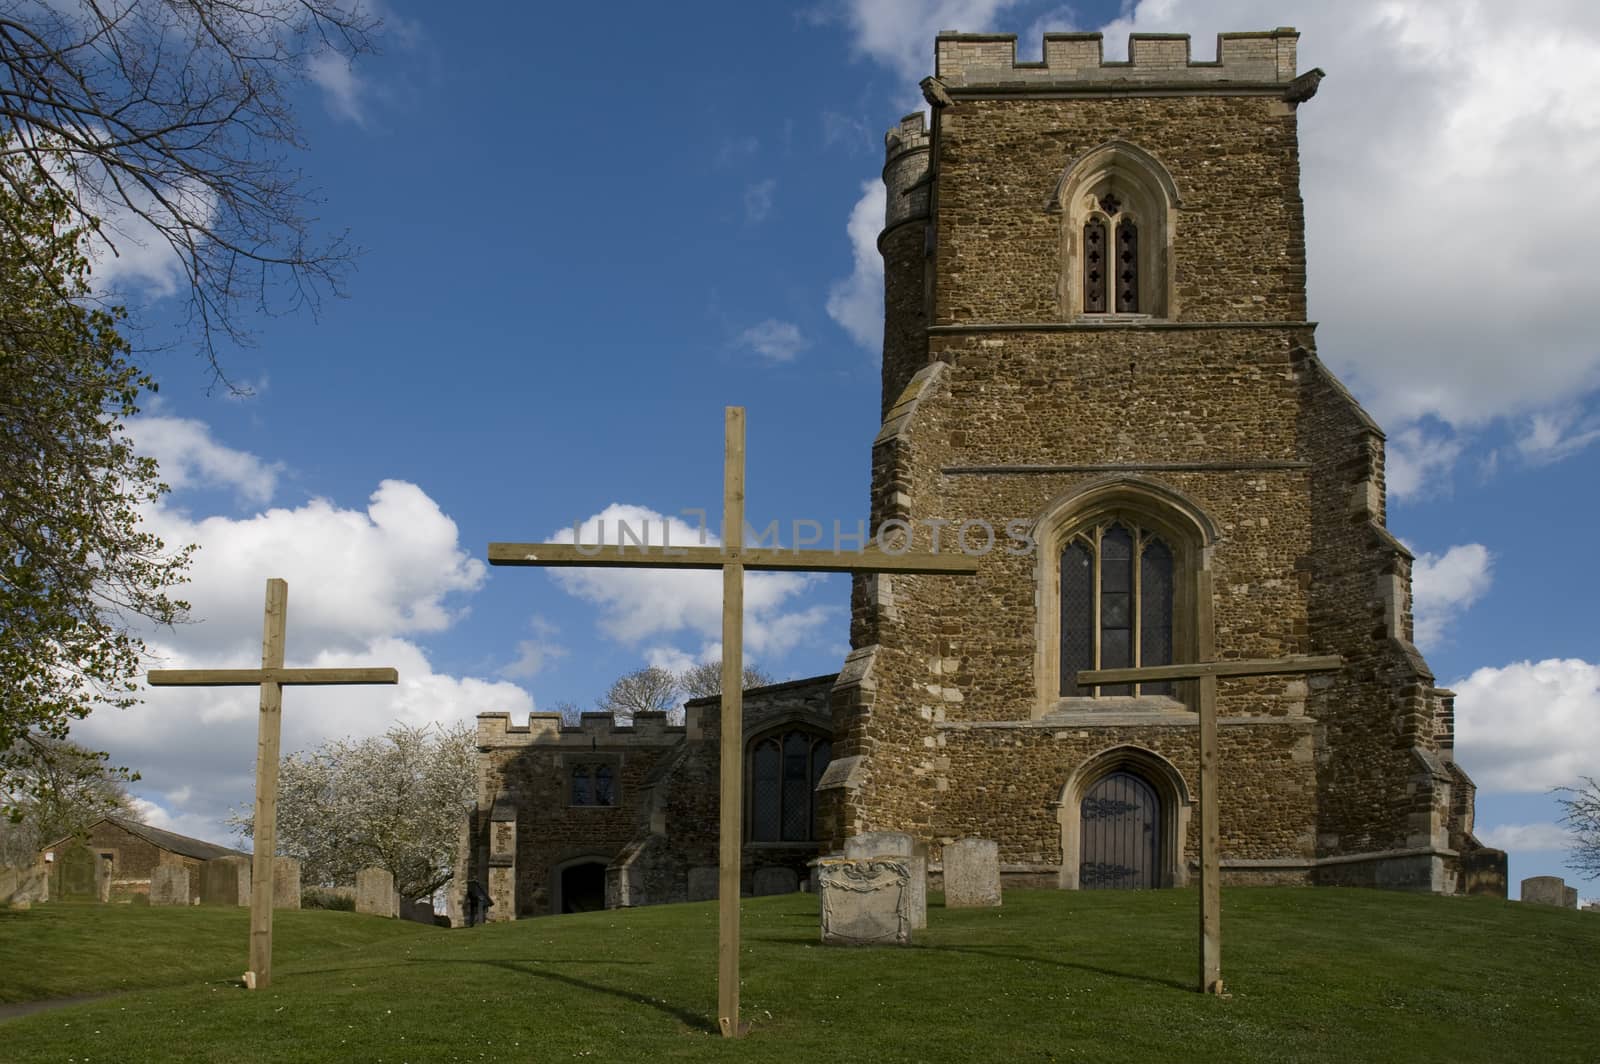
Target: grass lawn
1315,975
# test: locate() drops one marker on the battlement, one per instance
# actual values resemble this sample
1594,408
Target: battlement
910,135
973,60
546,729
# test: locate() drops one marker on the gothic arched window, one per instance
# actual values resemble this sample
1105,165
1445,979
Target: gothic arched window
785,768
1117,586
1113,270
1119,209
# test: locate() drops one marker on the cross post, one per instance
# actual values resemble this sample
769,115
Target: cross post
734,559
272,677
1210,834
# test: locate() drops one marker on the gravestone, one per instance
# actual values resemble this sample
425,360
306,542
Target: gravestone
1483,872
1569,898
286,883
418,912
775,880
1545,890
225,881
703,883
73,873
169,885
897,844
972,874
375,893
864,902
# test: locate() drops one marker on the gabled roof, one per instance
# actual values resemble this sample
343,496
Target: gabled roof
171,841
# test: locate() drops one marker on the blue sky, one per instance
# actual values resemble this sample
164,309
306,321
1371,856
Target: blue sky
586,230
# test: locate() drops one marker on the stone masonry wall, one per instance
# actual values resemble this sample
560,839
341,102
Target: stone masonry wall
946,717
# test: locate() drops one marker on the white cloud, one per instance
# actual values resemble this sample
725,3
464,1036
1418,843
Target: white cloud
899,33
344,91
1445,585
856,302
190,457
1552,435
758,201
775,341
1442,289
1530,726
533,655
650,604
734,149
353,575
1419,463
1546,836
360,582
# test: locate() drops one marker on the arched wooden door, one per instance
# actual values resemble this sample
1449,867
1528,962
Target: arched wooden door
1121,835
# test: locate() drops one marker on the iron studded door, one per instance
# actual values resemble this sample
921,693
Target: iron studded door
1120,835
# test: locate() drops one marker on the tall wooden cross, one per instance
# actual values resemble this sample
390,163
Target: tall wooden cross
733,558
272,677
1210,836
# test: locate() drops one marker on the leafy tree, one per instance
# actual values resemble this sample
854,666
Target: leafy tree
395,801
75,566
1582,816
648,690
61,789
705,679
170,120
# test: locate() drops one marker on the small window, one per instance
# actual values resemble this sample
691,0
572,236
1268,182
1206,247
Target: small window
593,785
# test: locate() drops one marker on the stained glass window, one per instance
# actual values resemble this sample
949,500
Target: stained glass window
766,796
1077,615
785,771
1155,611
1122,619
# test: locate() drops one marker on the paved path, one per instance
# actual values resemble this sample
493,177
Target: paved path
18,1009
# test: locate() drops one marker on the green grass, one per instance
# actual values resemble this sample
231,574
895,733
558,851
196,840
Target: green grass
1315,975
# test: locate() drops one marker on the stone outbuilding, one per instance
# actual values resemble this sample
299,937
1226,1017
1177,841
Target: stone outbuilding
117,856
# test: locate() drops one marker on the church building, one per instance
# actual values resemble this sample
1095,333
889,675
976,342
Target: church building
1097,374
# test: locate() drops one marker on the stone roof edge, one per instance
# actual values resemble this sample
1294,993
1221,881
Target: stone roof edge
711,700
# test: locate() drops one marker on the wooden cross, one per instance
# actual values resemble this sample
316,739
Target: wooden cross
733,558
272,677
1210,836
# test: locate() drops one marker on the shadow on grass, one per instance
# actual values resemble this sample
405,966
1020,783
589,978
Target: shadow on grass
994,952
697,1020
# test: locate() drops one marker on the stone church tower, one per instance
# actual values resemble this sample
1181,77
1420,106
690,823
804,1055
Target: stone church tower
1097,369
1096,348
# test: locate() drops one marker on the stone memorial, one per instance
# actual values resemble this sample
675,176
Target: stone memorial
703,883
864,902
375,893
1569,898
418,912
286,883
972,874
897,844
1545,890
169,885
775,879
225,881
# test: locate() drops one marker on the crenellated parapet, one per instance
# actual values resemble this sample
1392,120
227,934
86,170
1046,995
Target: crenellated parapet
989,60
495,730
905,170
